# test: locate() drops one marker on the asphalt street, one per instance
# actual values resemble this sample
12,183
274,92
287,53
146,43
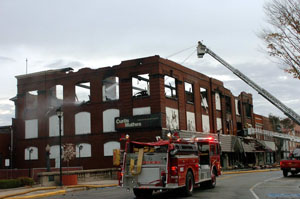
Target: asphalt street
261,185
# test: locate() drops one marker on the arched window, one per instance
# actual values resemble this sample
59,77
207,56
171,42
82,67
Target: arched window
190,121
54,126
109,116
218,101
109,147
172,118
83,150
82,123
31,153
205,124
54,152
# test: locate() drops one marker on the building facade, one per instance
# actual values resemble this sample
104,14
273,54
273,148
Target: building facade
143,97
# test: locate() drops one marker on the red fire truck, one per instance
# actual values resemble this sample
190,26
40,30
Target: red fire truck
170,164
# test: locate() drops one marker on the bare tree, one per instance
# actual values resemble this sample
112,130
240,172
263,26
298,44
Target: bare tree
282,38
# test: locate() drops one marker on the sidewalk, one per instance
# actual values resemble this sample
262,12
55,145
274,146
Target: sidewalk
38,192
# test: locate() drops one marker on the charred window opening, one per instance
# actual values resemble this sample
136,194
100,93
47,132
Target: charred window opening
32,99
228,104
141,85
248,110
189,93
203,93
82,92
57,95
170,87
110,89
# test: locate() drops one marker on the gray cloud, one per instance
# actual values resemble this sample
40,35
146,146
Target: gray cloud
6,59
64,64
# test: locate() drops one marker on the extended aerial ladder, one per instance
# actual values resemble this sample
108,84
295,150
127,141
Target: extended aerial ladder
202,49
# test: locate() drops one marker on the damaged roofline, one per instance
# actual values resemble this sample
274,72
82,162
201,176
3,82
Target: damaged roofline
64,70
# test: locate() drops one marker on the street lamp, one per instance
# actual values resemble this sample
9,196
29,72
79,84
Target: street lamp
30,150
47,157
80,148
59,114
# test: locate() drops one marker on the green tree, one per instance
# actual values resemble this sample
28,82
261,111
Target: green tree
282,37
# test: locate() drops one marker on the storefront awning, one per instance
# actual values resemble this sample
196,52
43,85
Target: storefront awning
269,145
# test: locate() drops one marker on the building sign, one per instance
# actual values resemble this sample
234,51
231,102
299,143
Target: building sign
139,121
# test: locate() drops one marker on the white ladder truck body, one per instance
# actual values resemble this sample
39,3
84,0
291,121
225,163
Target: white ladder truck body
202,49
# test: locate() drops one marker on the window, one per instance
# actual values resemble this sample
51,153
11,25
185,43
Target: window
32,99
189,94
54,126
205,123
140,85
237,107
218,101
109,147
31,129
170,87
57,95
31,153
248,109
212,149
83,150
204,102
110,89
82,92
141,111
172,119
54,152
109,116
190,119
228,104
219,125
82,123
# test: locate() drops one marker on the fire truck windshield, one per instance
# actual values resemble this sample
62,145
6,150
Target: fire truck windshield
149,149
203,147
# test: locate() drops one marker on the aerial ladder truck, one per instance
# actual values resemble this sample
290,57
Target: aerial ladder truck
202,49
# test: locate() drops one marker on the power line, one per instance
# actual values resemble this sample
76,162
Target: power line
189,56
180,51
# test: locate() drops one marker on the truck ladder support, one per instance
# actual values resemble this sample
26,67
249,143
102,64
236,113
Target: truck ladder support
202,49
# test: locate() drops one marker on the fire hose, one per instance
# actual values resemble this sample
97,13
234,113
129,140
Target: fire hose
139,163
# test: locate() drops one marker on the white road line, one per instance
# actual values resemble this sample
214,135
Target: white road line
259,183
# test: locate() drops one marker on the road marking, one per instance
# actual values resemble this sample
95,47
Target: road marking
284,195
259,183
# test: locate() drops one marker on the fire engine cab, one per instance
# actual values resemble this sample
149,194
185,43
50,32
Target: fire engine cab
170,164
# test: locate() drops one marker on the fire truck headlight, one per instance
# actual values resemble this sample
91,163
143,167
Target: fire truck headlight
169,135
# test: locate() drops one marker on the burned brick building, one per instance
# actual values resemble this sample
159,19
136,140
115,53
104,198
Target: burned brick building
142,97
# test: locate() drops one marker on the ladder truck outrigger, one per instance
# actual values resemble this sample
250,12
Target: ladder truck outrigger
202,49
175,163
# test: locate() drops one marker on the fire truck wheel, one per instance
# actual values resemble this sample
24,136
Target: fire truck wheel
142,193
285,172
189,184
213,181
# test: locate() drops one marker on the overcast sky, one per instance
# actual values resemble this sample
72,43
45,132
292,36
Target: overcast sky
54,34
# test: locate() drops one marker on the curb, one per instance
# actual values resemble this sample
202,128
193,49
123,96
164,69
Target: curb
60,192
249,171
25,192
